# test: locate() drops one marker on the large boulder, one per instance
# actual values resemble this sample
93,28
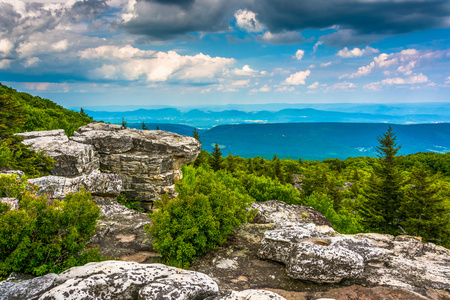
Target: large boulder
290,256
121,280
71,158
148,161
97,183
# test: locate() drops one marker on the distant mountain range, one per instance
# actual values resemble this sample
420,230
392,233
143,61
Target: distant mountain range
316,141
208,119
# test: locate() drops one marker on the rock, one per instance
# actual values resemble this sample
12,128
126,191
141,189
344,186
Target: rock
251,295
9,172
148,161
99,184
71,158
114,280
120,233
13,203
28,289
276,212
311,253
372,266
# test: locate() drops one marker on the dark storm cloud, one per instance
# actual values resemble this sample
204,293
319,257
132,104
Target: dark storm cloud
364,17
157,19
87,9
162,21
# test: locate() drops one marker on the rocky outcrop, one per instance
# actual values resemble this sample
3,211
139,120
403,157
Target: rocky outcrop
13,203
123,280
71,158
97,183
147,162
120,233
288,254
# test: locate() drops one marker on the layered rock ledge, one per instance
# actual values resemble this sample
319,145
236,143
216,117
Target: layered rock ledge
147,162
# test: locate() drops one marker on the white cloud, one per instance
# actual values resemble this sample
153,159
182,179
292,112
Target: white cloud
241,82
31,61
419,78
285,37
299,54
327,64
129,63
342,86
263,89
245,71
285,89
246,20
447,80
298,78
411,80
316,45
5,63
356,52
314,85
6,46
383,61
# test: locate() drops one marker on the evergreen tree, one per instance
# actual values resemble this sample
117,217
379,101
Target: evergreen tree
144,127
124,123
231,163
196,135
380,210
423,209
11,116
216,158
157,127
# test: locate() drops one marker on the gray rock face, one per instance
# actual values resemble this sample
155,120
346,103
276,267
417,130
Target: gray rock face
148,161
28,289
372,266
13,203
251,295
122,280
320,254
99,184
120,233
71,158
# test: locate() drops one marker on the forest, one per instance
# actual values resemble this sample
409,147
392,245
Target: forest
389,193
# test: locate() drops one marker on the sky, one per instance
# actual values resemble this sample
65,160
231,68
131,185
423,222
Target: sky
210,52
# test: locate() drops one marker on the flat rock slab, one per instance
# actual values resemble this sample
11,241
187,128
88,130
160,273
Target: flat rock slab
121,280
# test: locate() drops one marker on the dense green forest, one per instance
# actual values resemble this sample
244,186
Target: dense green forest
389,193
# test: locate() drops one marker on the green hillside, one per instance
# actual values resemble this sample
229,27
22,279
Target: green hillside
42,114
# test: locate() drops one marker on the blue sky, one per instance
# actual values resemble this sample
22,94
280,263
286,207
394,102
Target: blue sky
194,52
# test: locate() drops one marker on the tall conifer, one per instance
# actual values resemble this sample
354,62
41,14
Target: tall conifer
384,195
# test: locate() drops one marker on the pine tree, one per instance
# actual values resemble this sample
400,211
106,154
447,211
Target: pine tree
196,134
157,127
384,195
216,158
124,123
12,118
144,127
423,210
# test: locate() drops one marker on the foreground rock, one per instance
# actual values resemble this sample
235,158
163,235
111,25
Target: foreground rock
122,280
362,266
71,158
97,183
147,162
120,233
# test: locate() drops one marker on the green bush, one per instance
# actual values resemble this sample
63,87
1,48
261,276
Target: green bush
13,186
42,237
206,211
344,221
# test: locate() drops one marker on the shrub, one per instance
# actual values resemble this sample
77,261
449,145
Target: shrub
344,221
42,237
208,208
13,186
